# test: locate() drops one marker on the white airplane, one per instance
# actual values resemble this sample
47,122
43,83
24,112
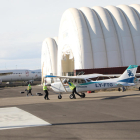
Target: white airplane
83,83
19,75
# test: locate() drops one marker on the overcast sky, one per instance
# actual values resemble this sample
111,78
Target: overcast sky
25,24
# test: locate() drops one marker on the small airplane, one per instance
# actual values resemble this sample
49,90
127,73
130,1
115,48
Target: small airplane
83,83
19,75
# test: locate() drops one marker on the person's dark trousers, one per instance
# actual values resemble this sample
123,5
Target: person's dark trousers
29,91
46,94
74,91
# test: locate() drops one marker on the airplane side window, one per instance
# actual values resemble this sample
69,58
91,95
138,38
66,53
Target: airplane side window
79,81
88,80
83,81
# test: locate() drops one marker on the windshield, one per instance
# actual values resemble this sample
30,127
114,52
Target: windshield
88,80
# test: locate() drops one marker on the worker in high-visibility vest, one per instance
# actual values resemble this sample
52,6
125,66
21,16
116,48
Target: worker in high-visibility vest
29,89
73,88
45,89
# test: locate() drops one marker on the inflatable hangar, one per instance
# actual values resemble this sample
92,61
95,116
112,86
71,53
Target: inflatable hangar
92,38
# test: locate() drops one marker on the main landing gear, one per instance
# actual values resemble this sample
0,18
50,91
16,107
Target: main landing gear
59,96
123,89
82,96
71,96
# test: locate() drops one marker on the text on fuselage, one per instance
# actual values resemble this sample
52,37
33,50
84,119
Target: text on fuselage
104,85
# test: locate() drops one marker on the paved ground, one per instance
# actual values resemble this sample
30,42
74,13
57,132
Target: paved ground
99,116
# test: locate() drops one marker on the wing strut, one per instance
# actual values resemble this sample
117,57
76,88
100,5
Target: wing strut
63,85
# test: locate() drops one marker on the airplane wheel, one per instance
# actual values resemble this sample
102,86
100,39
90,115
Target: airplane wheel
71,96
83,95
139,88
60,96
119,89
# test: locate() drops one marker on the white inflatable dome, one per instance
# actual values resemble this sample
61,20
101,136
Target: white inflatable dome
98,37
49,57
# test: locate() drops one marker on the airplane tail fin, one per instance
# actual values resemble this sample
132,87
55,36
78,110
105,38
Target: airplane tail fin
129,74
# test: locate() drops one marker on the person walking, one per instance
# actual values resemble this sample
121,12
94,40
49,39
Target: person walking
73,88
29,89
45,89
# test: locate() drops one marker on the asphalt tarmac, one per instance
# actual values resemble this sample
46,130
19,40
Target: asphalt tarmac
99,116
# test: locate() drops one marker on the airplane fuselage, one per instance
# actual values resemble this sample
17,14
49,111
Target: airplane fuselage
20,75
88,86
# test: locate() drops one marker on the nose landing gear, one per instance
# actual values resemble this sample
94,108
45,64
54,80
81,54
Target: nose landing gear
71,96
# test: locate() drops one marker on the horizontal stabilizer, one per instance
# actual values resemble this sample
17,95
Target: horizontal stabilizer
125,84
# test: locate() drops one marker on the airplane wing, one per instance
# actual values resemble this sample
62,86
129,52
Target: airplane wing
5,73
75,77
112,75
87,76
115,75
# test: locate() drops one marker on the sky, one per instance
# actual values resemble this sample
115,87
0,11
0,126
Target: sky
25,24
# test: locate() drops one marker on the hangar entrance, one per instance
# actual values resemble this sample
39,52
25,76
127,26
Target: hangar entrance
67,62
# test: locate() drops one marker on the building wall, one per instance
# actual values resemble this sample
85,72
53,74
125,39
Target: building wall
112,70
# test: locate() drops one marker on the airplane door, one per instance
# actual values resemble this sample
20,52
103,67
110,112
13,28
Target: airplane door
83,87
27,74
78,86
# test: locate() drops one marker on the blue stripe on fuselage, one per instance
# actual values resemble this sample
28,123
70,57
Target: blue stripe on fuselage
89,83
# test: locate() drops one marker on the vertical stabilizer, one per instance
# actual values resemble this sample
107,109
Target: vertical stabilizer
129,74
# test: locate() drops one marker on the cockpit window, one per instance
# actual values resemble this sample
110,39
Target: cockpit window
83,81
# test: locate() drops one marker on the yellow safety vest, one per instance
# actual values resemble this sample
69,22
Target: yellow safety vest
44,87
29,87
71,85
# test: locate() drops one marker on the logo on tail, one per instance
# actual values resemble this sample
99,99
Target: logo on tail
130,73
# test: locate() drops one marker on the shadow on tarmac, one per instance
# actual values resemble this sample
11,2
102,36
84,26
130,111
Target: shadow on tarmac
115,121
115,97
